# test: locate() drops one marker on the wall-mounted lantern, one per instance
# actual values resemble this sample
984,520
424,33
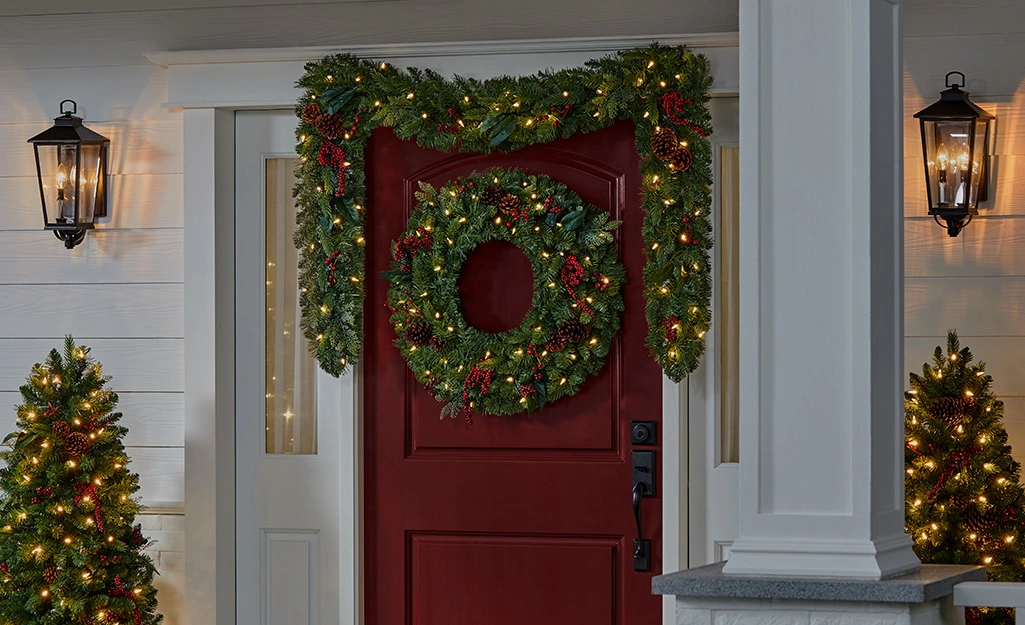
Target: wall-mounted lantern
71,163
955,144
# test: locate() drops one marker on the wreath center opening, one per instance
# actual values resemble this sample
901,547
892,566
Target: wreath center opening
496,286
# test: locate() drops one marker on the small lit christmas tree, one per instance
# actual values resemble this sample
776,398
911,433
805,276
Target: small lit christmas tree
963,500
70,553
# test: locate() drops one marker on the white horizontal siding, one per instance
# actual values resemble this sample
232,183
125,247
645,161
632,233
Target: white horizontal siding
103,94
89,311
121,291
136,147
110,257
942,18
987,247
134,201
974,283
152,365
152,419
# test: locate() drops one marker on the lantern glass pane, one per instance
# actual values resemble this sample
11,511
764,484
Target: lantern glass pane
57,172
947,149
978,161
90,181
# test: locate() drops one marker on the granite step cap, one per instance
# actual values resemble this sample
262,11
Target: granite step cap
931,581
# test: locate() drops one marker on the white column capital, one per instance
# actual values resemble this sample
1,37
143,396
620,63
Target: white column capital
821,290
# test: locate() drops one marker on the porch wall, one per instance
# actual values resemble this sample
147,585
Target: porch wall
121,292
974,283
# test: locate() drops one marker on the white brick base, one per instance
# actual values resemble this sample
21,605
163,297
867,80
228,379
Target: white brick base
722,611
169,556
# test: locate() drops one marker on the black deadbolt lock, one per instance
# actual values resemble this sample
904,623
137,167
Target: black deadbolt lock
643,433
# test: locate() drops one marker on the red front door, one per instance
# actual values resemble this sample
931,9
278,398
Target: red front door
513,520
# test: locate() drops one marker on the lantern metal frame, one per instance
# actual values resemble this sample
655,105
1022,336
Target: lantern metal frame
954,106
68,130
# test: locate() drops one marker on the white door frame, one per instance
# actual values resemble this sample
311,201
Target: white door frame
210,86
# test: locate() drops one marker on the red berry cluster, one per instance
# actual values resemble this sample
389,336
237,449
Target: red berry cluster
532,351
120,591
115,559
555,114
406,249
551,206
600,282
674,105
3,567
477,377
88,490
690,235
51,411
572,274
517,215
957,461
668,323
406,306
42,492
526,390
332,266
330,155
450,127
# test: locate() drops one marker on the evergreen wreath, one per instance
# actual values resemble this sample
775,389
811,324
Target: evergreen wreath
577,300
663,90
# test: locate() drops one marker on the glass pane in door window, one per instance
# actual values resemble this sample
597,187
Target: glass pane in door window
728,316
291,372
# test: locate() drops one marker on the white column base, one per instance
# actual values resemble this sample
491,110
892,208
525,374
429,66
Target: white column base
835,558
721,611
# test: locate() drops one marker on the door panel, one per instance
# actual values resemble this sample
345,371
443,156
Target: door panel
288,413
513,519
712,387
494,574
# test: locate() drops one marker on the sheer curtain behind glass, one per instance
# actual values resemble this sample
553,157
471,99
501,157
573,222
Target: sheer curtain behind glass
291,384
728,316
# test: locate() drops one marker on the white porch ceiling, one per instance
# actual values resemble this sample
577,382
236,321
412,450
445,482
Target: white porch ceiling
118,32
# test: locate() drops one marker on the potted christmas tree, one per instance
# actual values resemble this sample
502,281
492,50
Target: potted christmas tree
70,552
963,500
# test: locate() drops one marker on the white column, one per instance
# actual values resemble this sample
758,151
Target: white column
821,290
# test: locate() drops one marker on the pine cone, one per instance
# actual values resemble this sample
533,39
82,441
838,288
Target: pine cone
508,203
77,444
332,126
665,145
973,519
437,344
557,343
682,160
311,113
491,196
61,429
947,410
573,330
958,501
50,574
418,334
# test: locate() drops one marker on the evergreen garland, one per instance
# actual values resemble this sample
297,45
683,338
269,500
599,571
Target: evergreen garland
577,300
659,88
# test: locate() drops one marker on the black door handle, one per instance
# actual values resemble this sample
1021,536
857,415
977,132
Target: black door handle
642,545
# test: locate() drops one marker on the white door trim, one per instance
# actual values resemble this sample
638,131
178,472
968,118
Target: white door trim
211,86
